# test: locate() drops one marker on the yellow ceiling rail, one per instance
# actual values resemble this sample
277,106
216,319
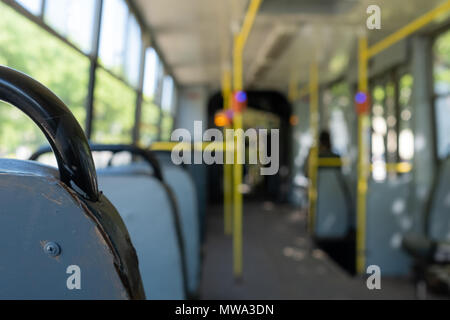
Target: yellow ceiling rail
238,85
409,29
248,22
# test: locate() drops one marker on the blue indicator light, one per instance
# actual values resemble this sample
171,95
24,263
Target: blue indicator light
361,98
241,97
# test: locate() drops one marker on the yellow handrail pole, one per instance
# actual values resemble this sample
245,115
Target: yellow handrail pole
227,168
409,29
330,162
363,160
237,170
238,50
314,153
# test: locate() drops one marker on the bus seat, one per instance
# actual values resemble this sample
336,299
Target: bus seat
146,208
62,238
149,209
439,215
333,213
182,184
151,214
434,247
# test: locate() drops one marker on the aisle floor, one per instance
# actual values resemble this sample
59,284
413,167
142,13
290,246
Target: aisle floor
280,262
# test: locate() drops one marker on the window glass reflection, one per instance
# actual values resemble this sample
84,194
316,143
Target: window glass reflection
120,41
74,19
167,95
442,91
133,51
151,73
112,36
28,48
114,110
34,6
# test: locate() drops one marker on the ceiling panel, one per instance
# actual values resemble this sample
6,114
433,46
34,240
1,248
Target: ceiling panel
195,36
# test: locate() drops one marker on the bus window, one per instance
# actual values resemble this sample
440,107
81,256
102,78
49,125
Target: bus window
120,41
151,73
149,126
114,105
167,107
167,96
391,122
442,93
406,136
34,6
379,132
392,138
133,52
149,130
166,126
74,19
30,49
112,35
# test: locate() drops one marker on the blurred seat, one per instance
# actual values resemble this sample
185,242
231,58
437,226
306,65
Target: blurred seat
434,247
149,209
183,186
431,251
334,208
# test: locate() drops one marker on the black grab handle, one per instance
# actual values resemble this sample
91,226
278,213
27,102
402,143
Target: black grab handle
145,154
116,148
69,144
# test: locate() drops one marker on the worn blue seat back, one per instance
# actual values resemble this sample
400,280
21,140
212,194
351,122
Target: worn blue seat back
180,181
145,206
199,174
36,209
439,215
333,208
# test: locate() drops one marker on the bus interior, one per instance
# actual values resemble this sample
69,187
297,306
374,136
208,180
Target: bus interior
224,150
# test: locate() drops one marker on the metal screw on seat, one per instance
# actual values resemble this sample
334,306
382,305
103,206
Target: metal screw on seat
52,249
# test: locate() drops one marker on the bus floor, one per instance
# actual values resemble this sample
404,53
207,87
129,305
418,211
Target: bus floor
280,262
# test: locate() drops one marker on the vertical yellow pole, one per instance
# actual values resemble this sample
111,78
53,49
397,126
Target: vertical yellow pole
314,153
237,168
238,85
227,168
363,160
238,202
